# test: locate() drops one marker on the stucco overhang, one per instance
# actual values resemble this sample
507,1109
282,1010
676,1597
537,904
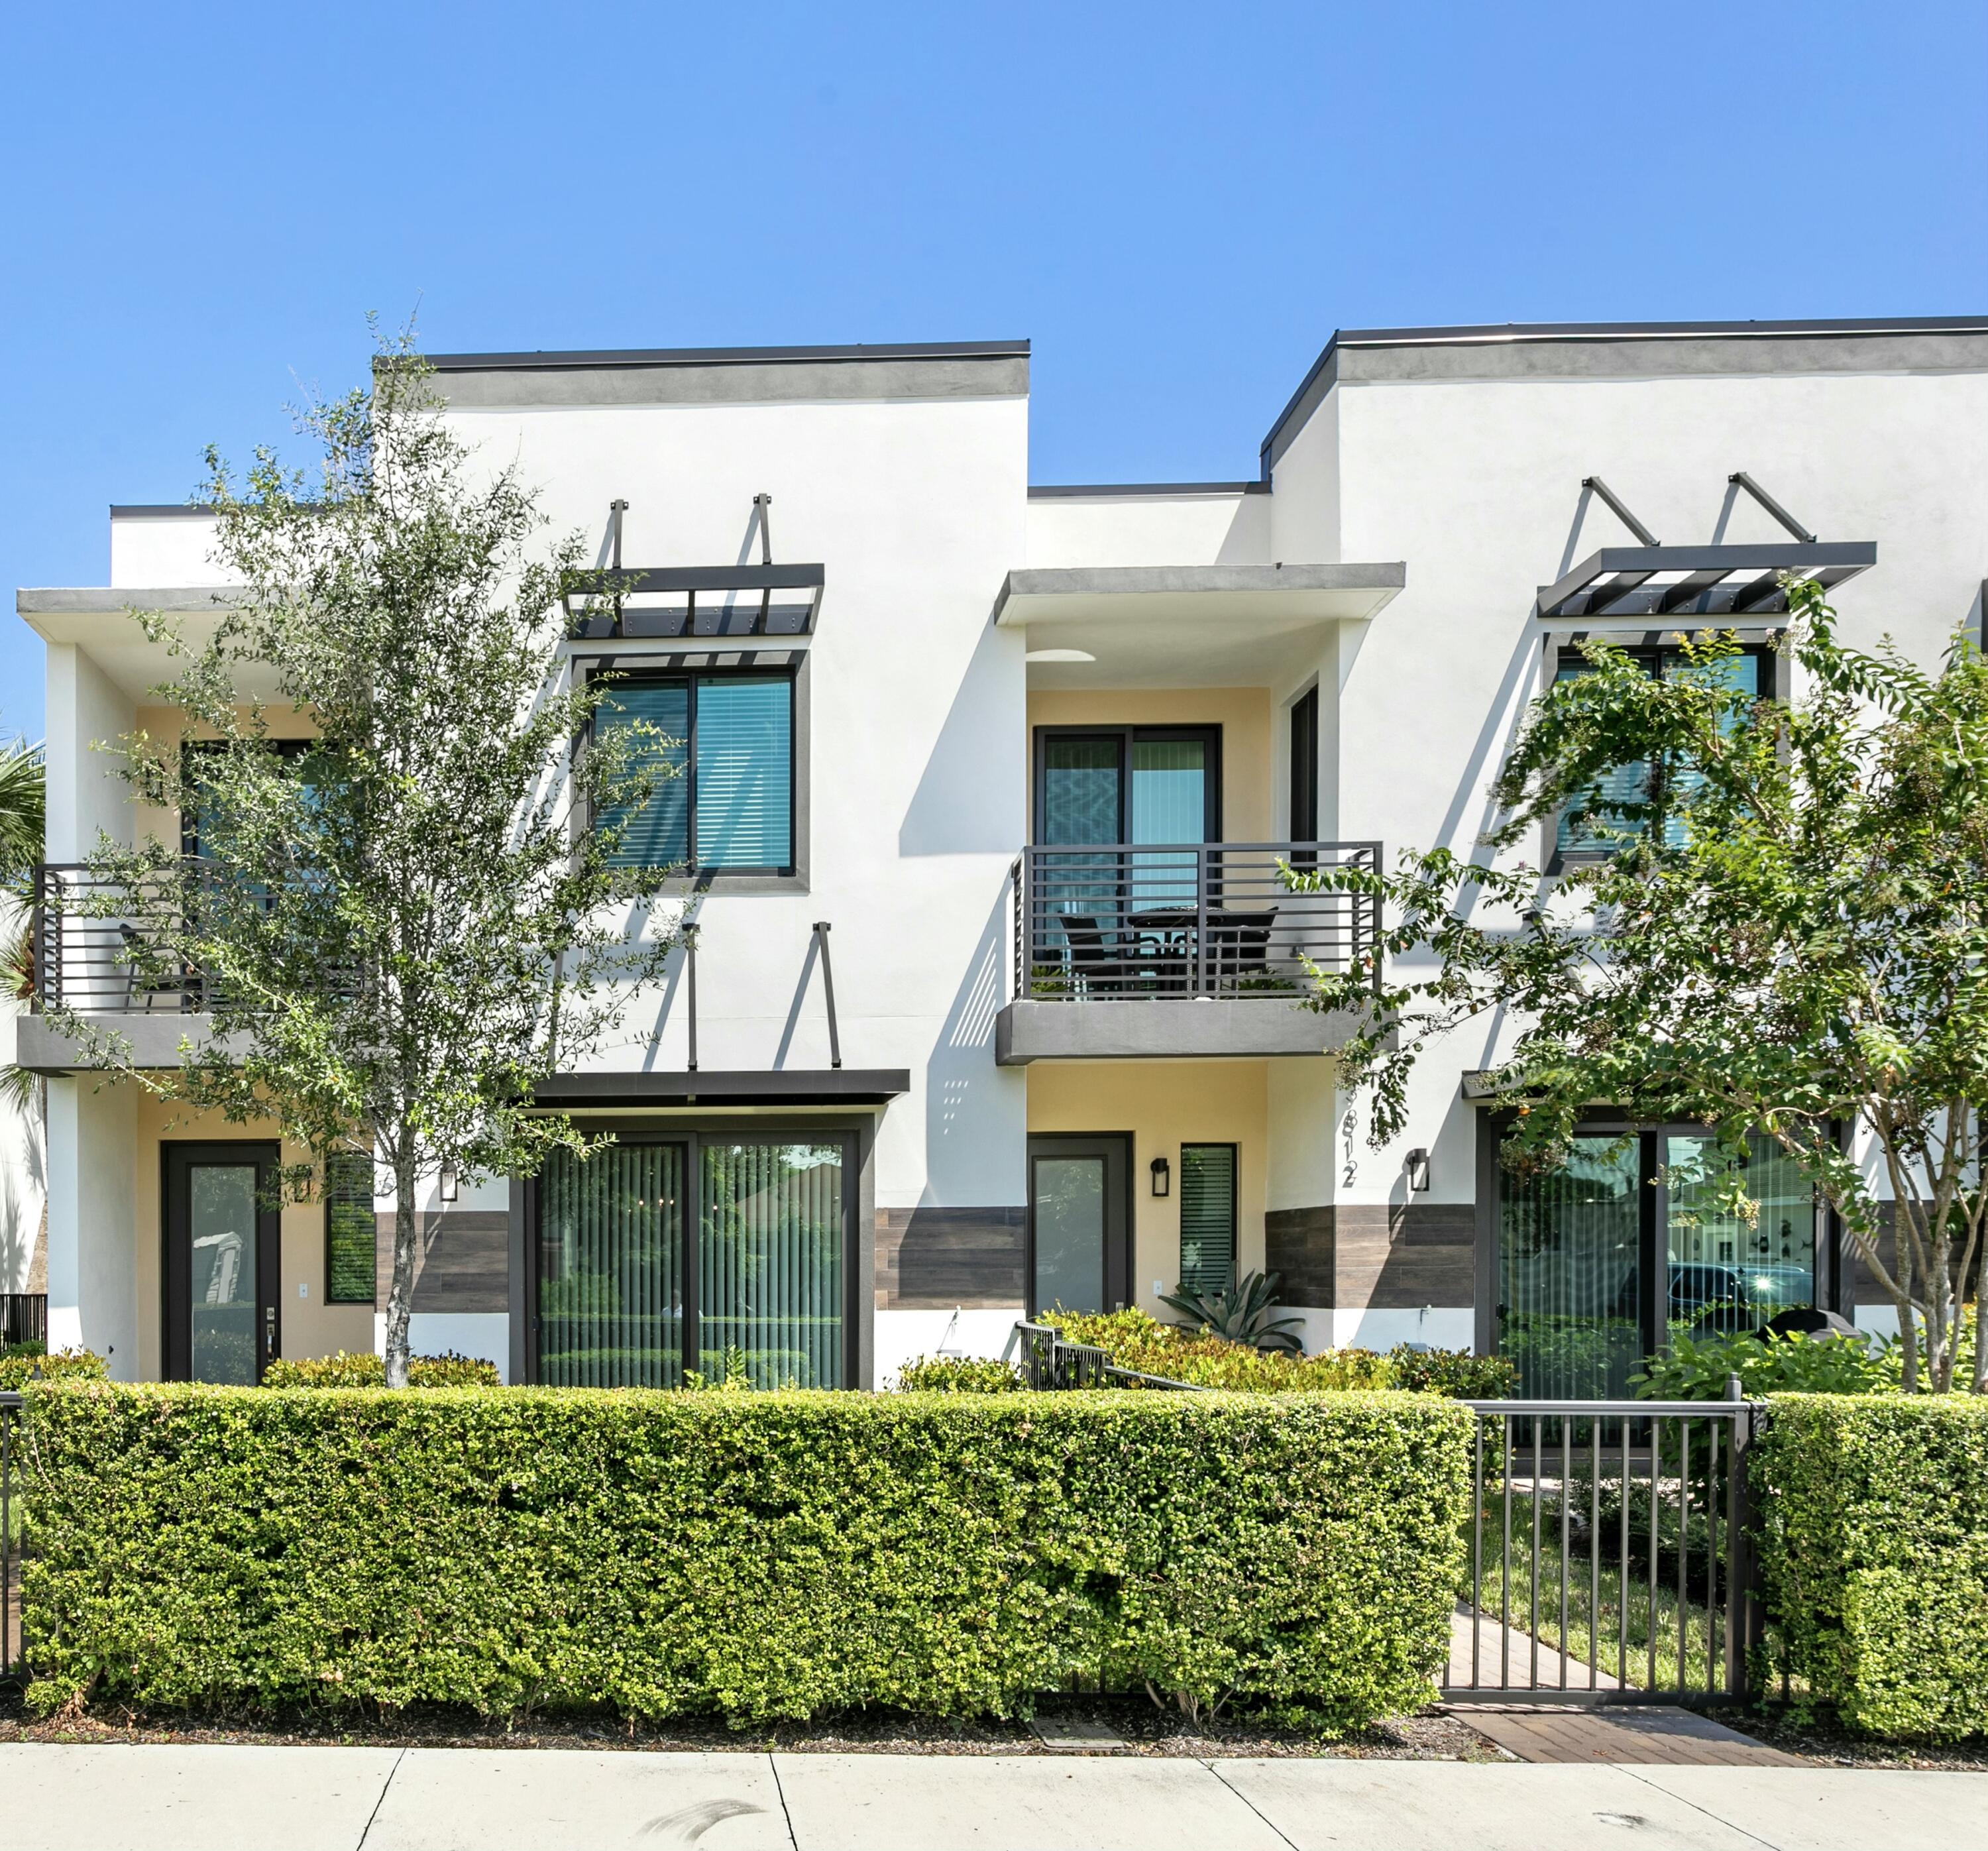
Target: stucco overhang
102,622
154,1042
1186,626
1210,1028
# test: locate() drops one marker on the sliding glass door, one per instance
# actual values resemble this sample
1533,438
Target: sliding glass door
658,1255
1638,1239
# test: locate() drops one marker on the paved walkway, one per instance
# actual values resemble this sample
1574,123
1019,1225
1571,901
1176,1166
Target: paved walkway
223,1798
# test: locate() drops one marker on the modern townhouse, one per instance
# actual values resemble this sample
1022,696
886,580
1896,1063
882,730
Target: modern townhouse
996,991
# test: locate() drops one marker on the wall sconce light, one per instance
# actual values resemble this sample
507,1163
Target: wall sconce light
1417,1167
1162,1176
448,1182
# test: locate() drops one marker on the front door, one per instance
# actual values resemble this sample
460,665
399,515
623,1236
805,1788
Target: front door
222,1264
1080,1222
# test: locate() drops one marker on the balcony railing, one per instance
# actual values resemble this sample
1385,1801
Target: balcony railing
1185,920
107,964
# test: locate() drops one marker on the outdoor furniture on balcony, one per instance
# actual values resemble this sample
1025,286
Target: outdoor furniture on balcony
1184,920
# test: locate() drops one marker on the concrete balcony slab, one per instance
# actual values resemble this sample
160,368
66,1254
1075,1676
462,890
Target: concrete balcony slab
1171,1028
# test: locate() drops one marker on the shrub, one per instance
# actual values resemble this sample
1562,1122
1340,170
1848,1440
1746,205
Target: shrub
361,1369
1696,1369
20,1365
757,1556
959,1375
1874,1555
1455,1373
1247,1312
1134,1340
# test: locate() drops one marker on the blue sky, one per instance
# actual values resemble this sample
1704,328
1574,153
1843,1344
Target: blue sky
1177,204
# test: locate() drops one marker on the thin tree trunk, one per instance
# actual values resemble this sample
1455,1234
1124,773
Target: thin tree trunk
400,1300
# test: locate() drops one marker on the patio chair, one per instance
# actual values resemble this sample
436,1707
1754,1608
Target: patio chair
1095,967
1241,946
144,976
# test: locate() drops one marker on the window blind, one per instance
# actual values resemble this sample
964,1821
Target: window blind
744,734
1208,1217
655,834
769,1265
349,1225
611,1268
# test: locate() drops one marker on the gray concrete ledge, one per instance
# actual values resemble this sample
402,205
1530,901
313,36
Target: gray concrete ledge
744,382
154,1040
1238,1028
106,600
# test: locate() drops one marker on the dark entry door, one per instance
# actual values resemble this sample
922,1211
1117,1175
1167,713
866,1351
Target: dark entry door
1080,1222
223,1264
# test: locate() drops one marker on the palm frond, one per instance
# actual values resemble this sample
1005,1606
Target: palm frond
23,809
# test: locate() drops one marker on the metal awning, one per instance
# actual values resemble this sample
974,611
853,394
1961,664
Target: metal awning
788,1086
694,602
1677,583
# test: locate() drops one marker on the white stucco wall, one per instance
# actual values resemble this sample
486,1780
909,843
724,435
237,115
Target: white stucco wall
1217,529
916,508
151,550
87,795
92,1259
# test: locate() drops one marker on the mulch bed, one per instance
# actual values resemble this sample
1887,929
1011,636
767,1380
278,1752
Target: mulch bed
1821,1739
1146,1729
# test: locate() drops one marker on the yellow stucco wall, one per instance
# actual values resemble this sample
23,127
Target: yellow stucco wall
150,822
1164,1104
310,1326
1244,714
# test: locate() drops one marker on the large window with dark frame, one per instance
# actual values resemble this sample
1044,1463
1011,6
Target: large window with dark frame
727,743
1594,826
1208,1217
660,1255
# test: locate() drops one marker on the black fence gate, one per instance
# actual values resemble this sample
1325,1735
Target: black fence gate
1608,1555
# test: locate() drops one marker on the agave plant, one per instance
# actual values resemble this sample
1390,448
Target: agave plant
1248,1312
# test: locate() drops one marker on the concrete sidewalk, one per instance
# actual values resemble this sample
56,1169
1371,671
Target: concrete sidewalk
225,1798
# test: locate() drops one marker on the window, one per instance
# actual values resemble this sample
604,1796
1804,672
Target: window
1589,834
1128,784
730,803
1208,1217
348,1228
1304,767
658,1257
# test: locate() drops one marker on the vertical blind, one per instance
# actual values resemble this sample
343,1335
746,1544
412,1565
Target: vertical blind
769,1262
349,1224
725,796
768,1219
1079,791
611,1268
1208,1217
1569,1302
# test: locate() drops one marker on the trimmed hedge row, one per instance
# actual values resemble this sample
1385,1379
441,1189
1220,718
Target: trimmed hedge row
365,1368
20,1365
1873,1540
755,1556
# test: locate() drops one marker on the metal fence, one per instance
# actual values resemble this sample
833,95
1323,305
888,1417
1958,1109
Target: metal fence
1048,1362
1184,920
13,1532
95,961
1609,1555
24,1318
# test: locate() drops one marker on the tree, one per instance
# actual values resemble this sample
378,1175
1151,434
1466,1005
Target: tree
402,926
23,814
1786,940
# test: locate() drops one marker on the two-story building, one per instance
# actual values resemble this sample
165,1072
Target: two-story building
1032,755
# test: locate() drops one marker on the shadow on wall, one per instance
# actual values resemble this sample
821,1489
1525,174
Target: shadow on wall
963,1057
968,800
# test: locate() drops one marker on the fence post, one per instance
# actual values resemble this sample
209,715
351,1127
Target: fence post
1742,1604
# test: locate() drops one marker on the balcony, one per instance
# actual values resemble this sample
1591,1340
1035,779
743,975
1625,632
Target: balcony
1178,950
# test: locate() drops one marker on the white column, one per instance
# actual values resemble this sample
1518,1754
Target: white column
93,1200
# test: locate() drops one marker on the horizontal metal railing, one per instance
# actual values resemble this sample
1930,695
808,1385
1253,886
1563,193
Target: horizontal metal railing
1609,1555
96,946
1048,1362
1187,919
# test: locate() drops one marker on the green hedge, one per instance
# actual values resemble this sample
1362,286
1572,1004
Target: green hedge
757,1556
20,1365
1873,1517
363,1368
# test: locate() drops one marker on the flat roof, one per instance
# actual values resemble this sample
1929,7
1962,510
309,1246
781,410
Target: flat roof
609,359
1615,349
